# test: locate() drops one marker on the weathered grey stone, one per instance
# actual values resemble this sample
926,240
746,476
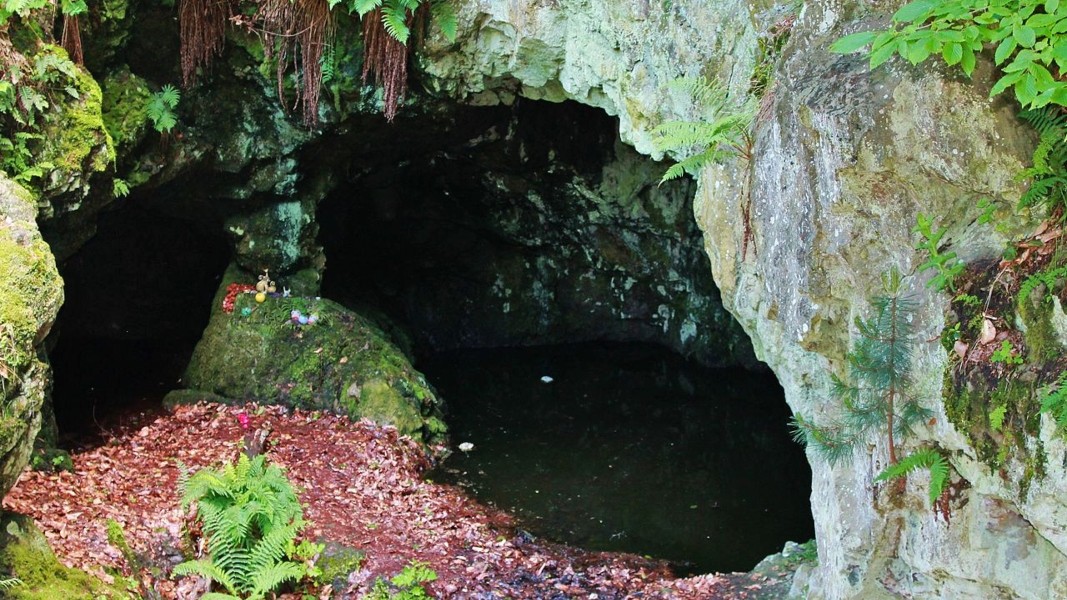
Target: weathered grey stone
31,293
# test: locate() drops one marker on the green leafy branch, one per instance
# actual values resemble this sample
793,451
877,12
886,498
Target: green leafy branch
1028,37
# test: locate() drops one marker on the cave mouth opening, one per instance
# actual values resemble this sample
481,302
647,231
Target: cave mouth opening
548,287
138,296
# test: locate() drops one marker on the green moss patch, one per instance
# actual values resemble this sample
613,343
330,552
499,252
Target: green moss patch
993,392
25,554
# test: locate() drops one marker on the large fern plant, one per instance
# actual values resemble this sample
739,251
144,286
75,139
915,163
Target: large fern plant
1048,175
718,134
250,516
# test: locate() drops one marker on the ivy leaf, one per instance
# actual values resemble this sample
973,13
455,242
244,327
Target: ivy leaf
913,10
1004,50
952,53
1026,36
967,62
851,43
1051,5
1026,89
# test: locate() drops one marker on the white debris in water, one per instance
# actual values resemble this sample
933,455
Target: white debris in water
546,379
466,447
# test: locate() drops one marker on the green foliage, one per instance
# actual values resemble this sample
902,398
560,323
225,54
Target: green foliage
1054,401
10,582
946,264
923,459
406,585
120,188
396,15
161,106
879,392
1048,170
1006,354
1030,38
996,417
718,135
250,515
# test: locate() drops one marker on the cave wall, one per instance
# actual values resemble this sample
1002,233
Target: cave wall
843,160
528,224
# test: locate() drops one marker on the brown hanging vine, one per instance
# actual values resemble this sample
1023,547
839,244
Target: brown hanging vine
202,25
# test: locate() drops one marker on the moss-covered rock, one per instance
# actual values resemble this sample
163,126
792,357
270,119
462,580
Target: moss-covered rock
25,554
125,97
76,143
341,363
31,292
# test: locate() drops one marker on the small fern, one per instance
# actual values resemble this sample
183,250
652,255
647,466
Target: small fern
709,140
1047,278
250,515
160,108
1048,174
1054,402
10,582
923,459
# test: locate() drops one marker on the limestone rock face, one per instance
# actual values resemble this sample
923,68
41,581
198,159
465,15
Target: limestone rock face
612,55
30,296
842,163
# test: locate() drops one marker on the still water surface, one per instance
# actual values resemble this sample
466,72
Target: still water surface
628,448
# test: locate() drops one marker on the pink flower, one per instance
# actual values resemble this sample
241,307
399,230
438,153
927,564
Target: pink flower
243,419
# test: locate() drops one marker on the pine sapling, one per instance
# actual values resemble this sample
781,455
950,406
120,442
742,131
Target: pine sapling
878,392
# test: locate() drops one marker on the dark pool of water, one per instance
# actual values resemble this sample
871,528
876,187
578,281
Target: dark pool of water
629,448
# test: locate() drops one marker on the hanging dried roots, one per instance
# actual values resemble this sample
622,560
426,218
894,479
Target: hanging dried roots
300,31
203,34
386,59
71,39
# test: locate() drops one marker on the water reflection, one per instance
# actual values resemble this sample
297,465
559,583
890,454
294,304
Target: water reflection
629,448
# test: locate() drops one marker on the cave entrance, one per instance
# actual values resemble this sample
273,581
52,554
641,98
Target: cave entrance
138,296
549,288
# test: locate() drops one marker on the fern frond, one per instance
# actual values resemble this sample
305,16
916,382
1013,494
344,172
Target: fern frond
362,7
394,19
271,548
924,459
444,15
208,569
170,96
702,90
1054,401
273,575
1045,120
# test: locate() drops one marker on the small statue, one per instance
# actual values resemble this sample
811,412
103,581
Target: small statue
264,284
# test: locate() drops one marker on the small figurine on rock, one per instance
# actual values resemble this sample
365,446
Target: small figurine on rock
265,285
